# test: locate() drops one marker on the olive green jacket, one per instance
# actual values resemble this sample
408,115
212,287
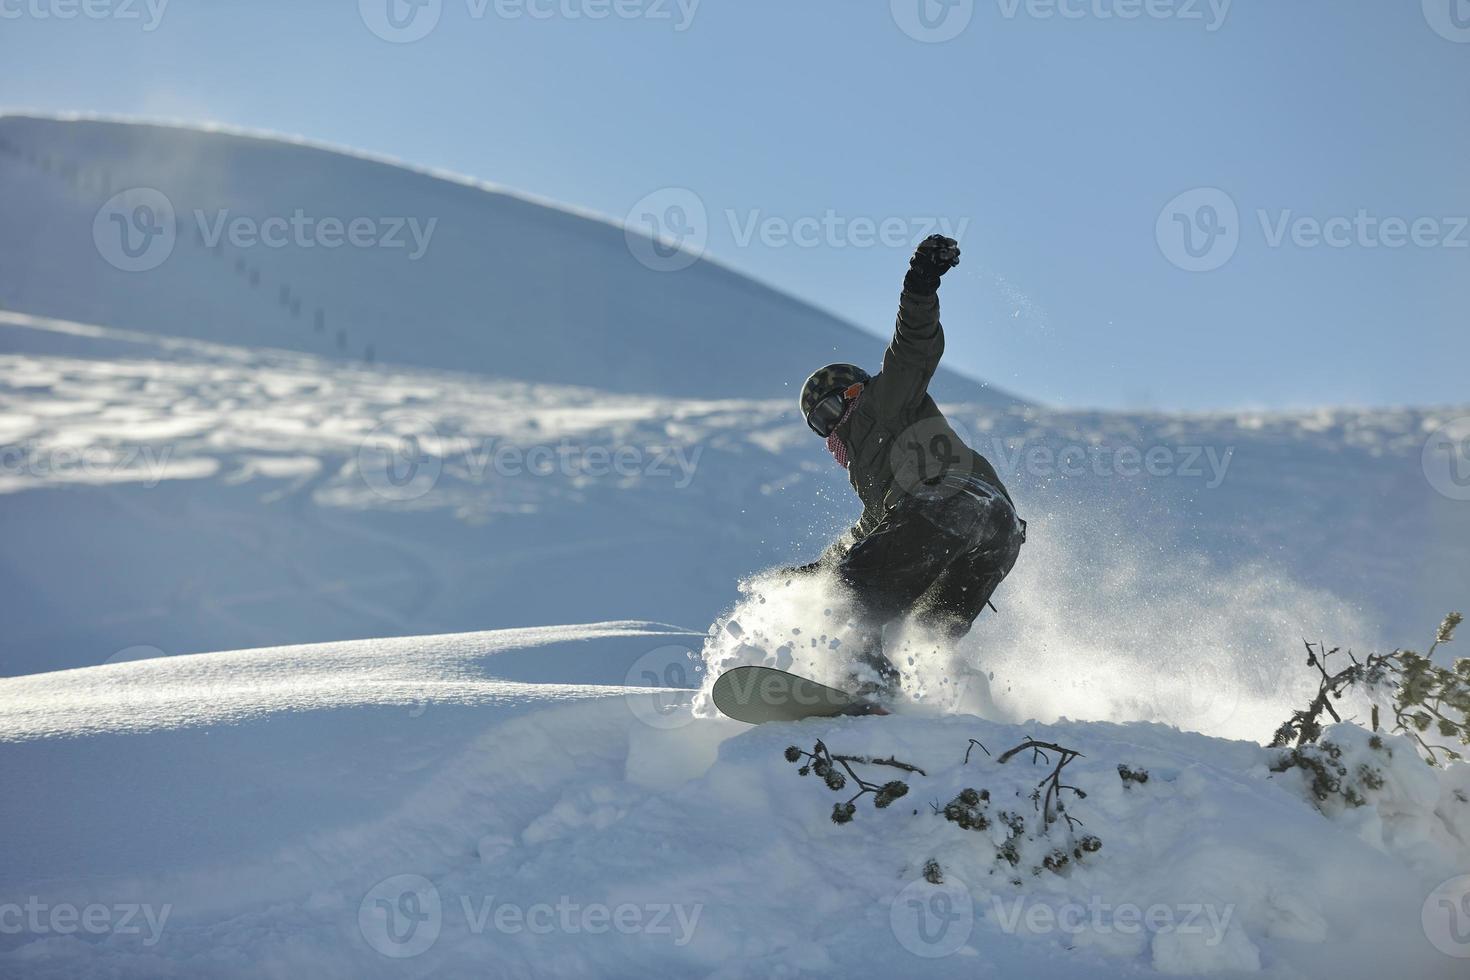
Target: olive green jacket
896,437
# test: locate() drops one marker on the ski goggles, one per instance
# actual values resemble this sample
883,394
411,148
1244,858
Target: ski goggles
825,414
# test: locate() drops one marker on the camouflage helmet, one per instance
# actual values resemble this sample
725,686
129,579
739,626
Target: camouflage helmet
824,381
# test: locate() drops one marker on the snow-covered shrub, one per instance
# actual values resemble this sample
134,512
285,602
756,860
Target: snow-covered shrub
1006,830
1334,778
824,764
1131,775
1377,780
1378,785
1427,701
1431,699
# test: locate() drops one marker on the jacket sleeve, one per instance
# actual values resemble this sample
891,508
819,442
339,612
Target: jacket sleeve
912,356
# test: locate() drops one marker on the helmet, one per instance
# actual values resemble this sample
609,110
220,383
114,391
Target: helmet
825,381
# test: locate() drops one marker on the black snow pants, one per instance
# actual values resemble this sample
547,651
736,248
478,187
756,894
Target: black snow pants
939,554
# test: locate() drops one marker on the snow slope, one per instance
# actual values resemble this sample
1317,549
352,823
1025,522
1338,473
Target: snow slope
494,804
485,280
186,496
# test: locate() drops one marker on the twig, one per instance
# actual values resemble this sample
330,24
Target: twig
867,761
821,761
1050,803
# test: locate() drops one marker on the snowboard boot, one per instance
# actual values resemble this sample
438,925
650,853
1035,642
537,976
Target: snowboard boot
874,677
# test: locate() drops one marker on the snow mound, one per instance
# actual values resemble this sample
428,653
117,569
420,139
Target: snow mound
311,813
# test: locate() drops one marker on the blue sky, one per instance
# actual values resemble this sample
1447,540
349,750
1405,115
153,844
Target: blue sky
1058,134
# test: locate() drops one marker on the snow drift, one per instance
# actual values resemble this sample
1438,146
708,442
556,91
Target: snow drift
428,807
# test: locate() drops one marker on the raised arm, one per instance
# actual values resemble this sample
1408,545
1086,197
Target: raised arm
918,339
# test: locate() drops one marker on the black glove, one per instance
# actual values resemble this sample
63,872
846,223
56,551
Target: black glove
935,256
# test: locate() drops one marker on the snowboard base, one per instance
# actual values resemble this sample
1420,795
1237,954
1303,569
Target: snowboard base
756,695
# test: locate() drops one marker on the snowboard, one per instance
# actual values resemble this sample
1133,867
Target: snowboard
756,695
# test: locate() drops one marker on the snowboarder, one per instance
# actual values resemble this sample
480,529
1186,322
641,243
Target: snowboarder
939,531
